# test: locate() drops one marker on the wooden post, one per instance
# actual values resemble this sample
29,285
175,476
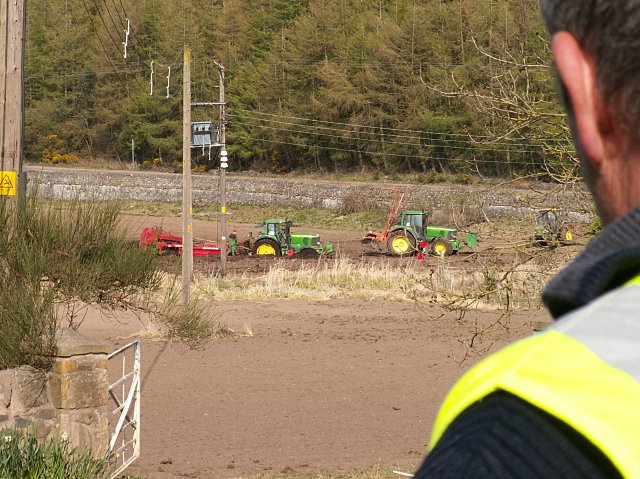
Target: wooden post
12,31
187,234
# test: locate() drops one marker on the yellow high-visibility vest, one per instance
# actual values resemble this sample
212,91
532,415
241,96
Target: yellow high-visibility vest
583,370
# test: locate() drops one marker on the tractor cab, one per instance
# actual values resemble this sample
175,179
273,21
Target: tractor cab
547,220
280,230
408,234
416,222
551,228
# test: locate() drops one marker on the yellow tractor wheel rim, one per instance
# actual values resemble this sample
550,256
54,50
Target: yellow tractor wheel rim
266,250
568,236
400,244
440,249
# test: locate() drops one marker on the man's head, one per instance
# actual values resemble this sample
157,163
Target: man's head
596,47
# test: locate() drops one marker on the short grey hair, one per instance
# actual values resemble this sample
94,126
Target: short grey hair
609,30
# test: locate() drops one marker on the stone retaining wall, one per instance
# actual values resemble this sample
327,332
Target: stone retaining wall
61,183
70,401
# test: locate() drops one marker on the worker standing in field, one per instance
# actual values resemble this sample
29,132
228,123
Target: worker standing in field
248,243
233,242
565,403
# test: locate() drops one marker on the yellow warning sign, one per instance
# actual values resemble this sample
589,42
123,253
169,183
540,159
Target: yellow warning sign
7,183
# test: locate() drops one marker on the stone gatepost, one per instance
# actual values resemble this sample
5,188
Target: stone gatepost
79,389
70,401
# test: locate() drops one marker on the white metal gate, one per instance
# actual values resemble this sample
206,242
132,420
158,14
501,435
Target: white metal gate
124,418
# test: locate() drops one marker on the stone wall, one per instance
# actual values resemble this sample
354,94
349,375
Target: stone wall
69,401
61,183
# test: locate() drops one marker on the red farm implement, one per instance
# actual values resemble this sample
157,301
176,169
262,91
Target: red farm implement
374,238
167,243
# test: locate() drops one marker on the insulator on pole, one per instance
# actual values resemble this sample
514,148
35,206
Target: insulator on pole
152,72
126,38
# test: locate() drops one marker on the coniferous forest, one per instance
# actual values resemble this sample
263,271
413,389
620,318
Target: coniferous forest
390,86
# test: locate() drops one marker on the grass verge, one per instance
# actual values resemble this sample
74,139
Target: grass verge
307,217
436,282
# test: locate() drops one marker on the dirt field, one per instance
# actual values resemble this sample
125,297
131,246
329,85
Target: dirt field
321,386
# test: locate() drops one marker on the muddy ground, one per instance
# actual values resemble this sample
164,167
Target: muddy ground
320,386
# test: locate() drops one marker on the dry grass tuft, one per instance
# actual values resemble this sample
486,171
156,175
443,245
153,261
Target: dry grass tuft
485,287
318,281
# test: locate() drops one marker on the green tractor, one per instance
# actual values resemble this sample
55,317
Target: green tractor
551,229
411,233
276,239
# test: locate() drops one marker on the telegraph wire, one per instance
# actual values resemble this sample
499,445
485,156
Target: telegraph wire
123,19
117,27
373,127
133,32
120,17
374,132
135,77
115,43
424,135
122,25
98,71
468,146
104,23
399,155
93,27
356,63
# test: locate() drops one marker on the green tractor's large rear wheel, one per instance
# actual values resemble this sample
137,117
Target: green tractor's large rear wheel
265,247
401,243
566,236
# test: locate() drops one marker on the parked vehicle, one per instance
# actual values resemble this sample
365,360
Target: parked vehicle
277,239
409,232
550,228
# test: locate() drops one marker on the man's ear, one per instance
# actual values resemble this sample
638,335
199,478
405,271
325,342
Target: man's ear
577,73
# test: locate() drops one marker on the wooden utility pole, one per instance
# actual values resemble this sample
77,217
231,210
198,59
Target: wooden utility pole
223,184
12,38
187,233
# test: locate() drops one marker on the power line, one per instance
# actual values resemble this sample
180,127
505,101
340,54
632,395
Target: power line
100,41
442,143
346,130
98,71
381,128
133,32
117,46
398,155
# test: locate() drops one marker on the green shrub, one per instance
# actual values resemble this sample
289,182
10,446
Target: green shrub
73,254
22,456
